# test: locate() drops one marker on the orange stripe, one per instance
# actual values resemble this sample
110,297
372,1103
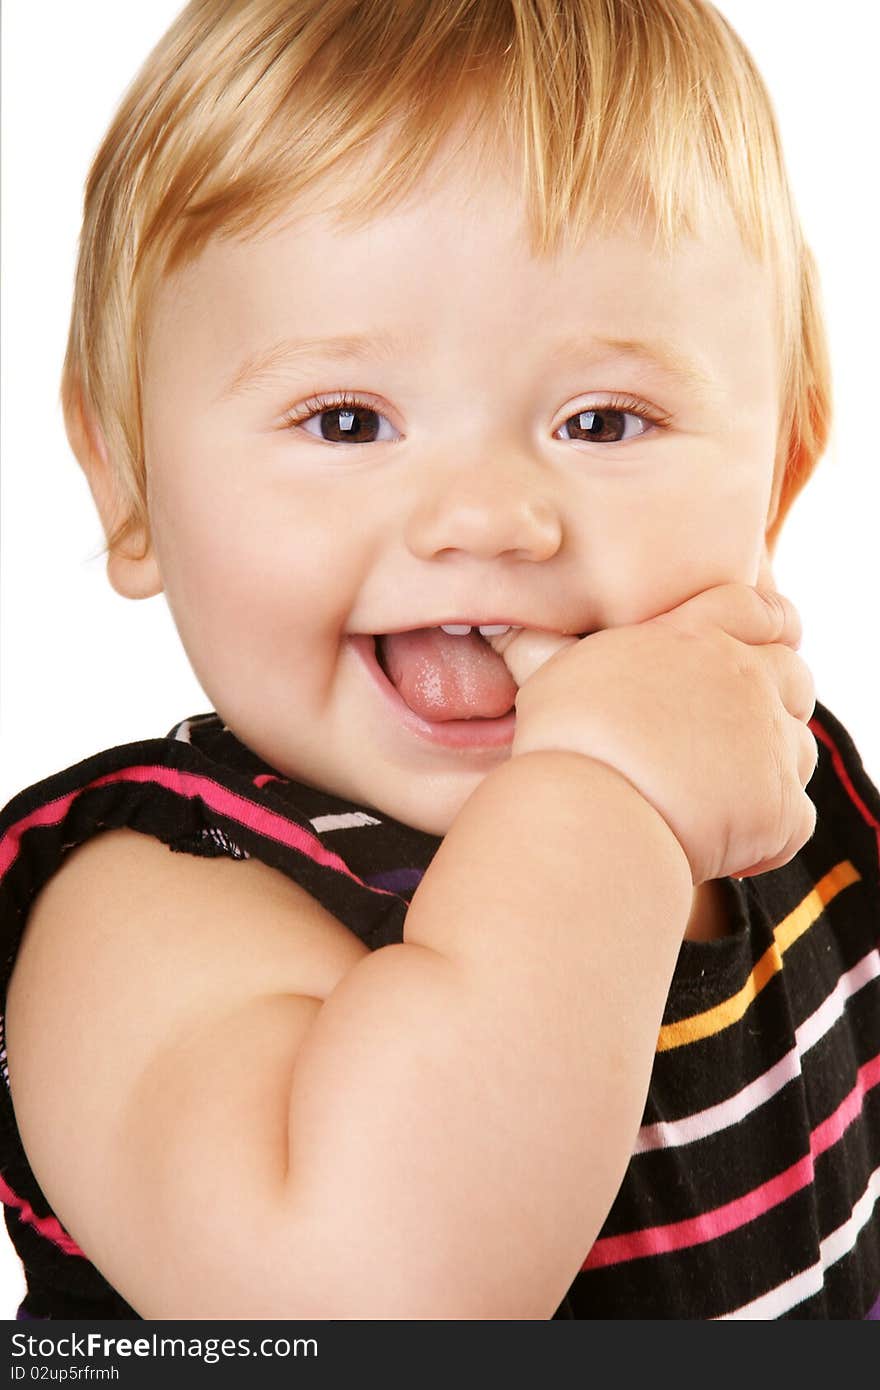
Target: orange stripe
703,1025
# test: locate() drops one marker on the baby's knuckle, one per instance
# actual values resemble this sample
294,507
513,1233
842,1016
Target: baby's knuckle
812,749
810,818
773,603
809,695
779,792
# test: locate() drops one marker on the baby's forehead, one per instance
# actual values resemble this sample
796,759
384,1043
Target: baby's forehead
446,284
460,214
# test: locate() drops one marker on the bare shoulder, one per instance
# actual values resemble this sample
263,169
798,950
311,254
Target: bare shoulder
153,1019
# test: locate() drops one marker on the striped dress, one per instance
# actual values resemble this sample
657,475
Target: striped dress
752,1191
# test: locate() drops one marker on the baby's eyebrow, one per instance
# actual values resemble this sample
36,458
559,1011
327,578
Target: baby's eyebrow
259,367
659,355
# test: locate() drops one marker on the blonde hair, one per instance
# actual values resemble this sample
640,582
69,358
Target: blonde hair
619,109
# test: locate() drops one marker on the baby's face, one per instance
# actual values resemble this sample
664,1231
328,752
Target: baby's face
469,479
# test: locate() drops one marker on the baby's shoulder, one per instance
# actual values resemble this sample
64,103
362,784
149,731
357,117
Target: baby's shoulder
128,947
101,922
124,917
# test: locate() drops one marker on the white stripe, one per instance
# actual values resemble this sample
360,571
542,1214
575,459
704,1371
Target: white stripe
668,1134
809,1281
346,821
841,1241
818,1024
183,730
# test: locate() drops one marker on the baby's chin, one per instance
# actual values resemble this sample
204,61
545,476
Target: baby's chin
427,802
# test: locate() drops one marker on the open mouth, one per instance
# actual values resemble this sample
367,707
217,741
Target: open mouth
450,684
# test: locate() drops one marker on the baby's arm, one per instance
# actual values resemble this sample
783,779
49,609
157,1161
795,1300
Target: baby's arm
480,1086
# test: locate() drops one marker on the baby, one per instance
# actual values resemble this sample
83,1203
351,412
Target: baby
451,370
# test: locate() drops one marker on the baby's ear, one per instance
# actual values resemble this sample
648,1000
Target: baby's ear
132,566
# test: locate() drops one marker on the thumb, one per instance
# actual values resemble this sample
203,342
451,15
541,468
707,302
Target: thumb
524,649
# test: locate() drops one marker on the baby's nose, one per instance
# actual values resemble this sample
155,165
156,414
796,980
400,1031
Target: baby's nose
486,517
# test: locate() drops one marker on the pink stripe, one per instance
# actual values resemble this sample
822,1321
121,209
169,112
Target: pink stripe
696,1230
837,764
188,785
831,1129
50,814
48,1226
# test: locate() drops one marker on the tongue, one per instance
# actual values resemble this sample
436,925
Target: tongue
445,677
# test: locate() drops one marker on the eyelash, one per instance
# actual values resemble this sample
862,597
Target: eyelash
316,405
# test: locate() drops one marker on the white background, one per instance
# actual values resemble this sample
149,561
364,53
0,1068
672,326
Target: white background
83,669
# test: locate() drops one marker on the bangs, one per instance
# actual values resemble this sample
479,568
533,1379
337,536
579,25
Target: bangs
650,113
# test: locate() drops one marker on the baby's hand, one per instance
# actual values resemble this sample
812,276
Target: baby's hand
703,709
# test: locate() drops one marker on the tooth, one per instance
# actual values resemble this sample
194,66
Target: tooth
456,629
490,630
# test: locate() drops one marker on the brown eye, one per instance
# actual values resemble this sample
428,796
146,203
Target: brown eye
344,422
603,425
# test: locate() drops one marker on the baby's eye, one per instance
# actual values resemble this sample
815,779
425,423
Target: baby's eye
342,422
605,423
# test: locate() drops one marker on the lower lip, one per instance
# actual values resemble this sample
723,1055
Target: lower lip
449,733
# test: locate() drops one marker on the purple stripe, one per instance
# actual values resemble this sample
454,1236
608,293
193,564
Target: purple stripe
873,1314
396,880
